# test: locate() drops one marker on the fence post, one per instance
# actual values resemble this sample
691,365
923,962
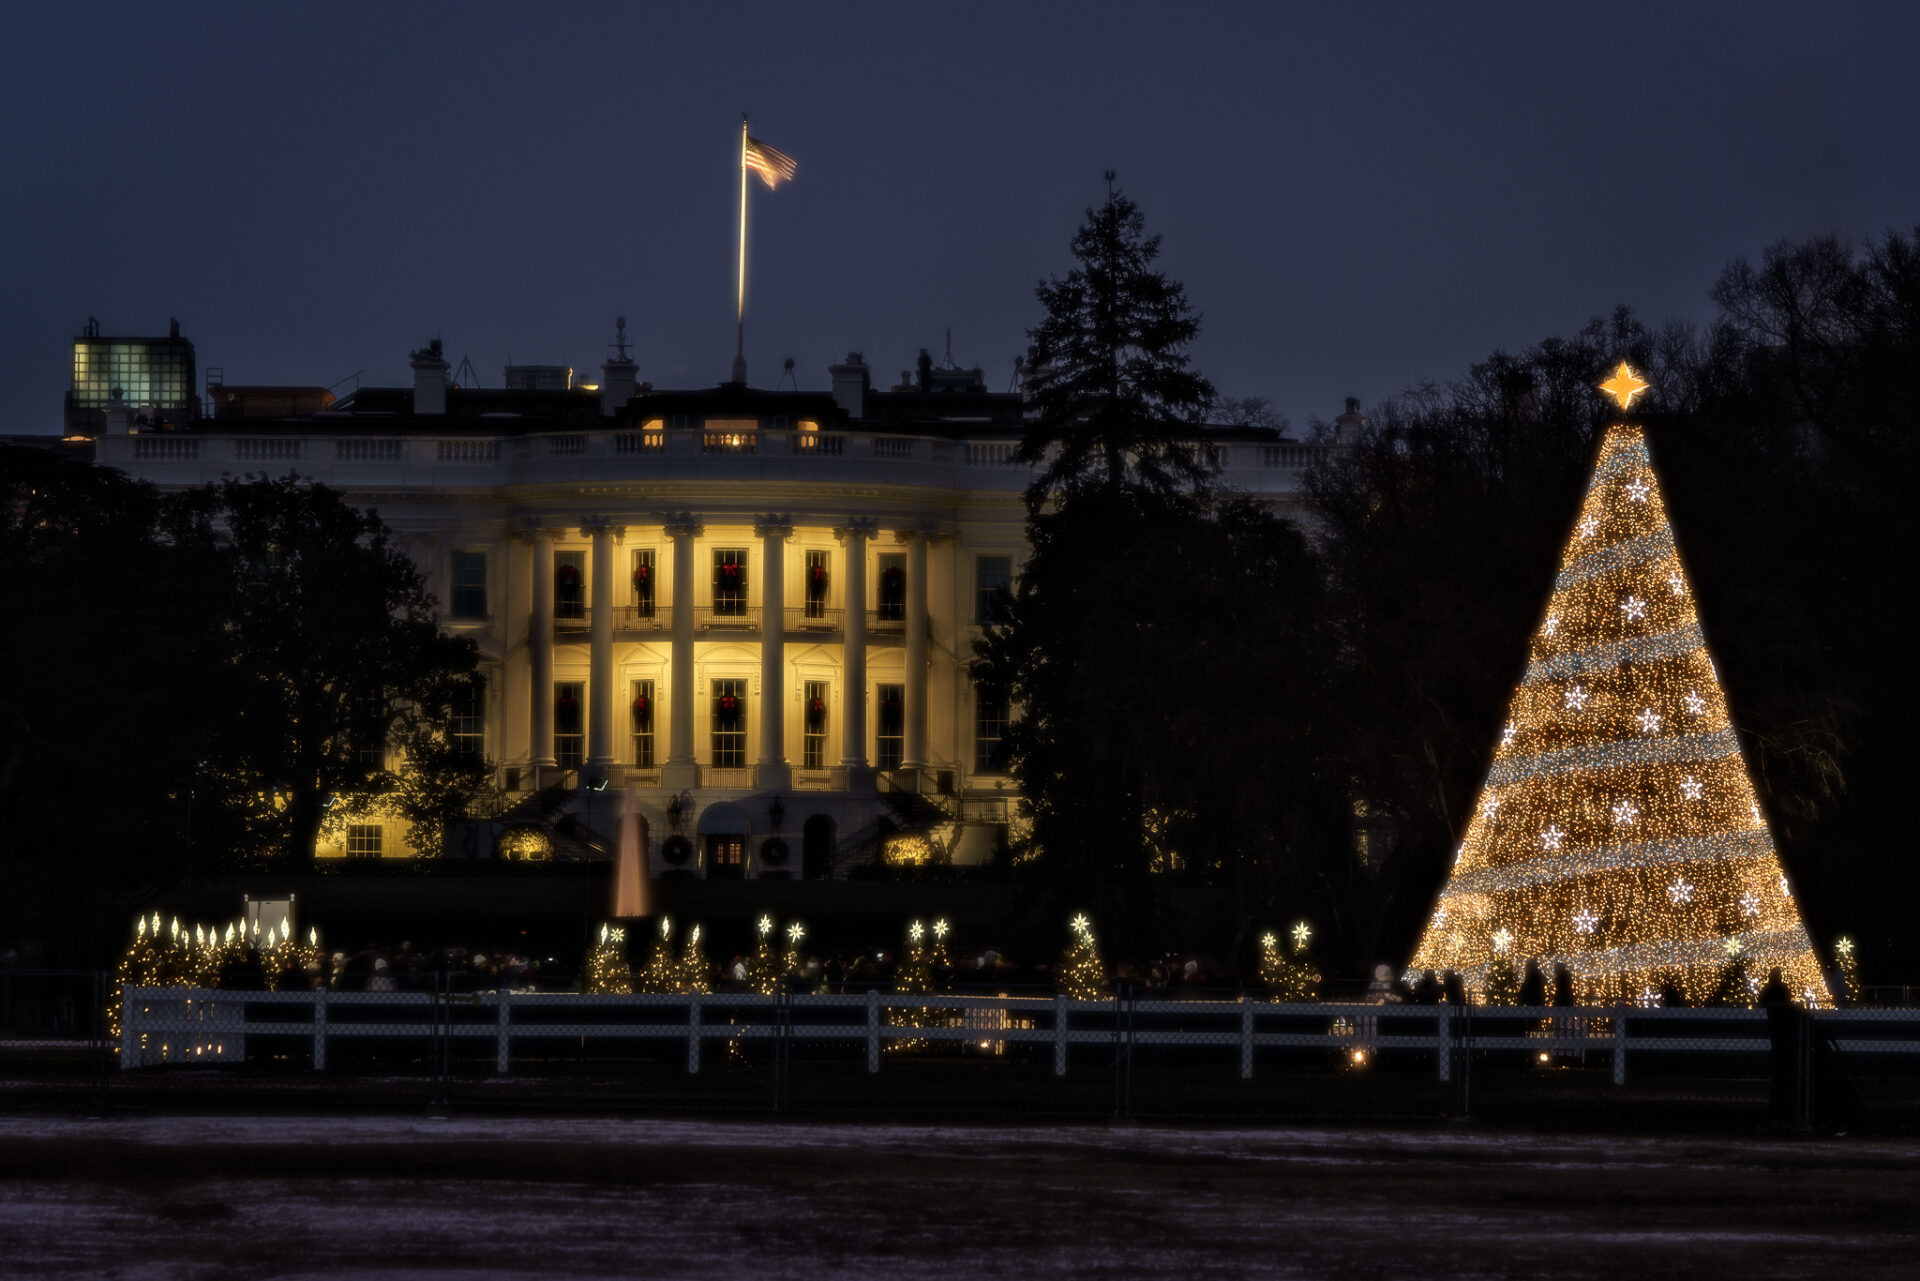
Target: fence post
1059,1034
693,1035
1620,1045
97,1048
1246,1038
503,1035
320,1029
873,1029
1443,1040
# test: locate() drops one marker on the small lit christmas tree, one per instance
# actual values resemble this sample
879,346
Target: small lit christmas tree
137,967
1618,833
1846,955
790,964
662,973
1081,974
608,973
938,962
911,977
1289,978
690,975
763,967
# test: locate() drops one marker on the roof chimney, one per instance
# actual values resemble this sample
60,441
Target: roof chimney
619,376
429,380
851,382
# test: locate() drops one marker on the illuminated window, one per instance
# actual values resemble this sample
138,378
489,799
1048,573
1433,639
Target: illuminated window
569,721
643,579
992,580
570,585
891,727
470,720
363,840
813,738
730,724
643,724
729,582
726,857
819,579
892,594
468,597
989,731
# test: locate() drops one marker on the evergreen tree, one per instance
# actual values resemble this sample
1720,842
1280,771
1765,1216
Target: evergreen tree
662,973
693,968
1112,397
1081,974
1845,956
608,973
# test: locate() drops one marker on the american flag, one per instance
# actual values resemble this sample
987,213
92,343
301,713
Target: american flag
772,164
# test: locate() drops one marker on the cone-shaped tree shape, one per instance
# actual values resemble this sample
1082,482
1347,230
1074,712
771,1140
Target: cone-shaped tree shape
1618,833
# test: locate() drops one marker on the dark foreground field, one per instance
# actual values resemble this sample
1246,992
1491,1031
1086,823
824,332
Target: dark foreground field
495,1198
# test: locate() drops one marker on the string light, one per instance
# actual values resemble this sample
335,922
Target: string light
1618,832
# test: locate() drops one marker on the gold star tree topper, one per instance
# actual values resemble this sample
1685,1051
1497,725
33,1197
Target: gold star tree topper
1624,385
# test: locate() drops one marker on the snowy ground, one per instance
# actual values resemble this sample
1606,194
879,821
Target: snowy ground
179,1197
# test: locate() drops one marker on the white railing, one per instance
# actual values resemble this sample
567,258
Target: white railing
172,1025
362,450
266,449
566,446
166,449
991,453
468,451
893,447
819,446
640,442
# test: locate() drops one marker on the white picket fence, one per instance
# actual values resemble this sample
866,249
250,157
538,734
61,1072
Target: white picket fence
200,1025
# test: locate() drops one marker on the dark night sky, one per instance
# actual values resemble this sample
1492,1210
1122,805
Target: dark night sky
1356,201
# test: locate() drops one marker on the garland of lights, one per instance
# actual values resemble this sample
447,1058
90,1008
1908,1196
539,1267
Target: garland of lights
1618,833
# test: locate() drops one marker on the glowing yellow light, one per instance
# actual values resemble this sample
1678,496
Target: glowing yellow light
940,928
766,926
1301,933
1624,385
1269,940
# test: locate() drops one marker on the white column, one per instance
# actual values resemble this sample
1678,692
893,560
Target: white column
540,653
680,772
773,773
914,751
600,700
854,773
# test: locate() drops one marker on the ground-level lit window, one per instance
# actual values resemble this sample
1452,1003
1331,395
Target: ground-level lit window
891,728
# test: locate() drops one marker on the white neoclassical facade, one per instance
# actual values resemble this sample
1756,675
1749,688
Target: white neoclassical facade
758,609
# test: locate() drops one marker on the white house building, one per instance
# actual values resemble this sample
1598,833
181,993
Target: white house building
756,608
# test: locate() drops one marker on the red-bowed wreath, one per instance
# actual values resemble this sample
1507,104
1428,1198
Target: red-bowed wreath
729,708
816,711
730,571
642,575
642,710
569,575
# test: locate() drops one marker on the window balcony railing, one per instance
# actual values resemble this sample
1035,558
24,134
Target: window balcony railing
718,776
887,619
572,618
806,618
812,780
727,618
632,618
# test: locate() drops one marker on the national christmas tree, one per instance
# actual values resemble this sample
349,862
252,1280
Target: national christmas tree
1618,833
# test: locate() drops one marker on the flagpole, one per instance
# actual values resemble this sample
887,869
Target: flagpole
740,302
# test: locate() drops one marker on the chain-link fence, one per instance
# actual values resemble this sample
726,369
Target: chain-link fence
67,1038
